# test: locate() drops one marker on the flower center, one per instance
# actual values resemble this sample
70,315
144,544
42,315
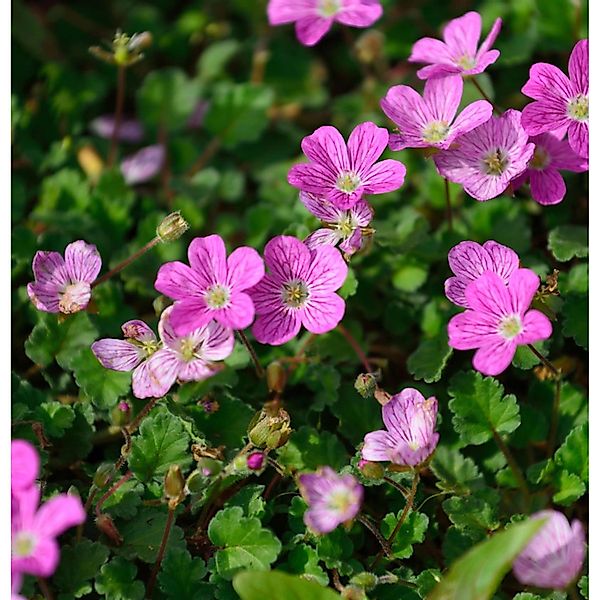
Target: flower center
294,293
345,225
495,162
466,62
510,327
339,501
540,159
436,131
23,544
188,350
578,108
217,296
347,182
329,8
75,297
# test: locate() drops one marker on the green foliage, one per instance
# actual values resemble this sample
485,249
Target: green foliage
412,531
568,241
116,581
427,362
181,575
79,564
269,586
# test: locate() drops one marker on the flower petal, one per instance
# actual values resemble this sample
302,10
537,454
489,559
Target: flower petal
522,286
177,280
82,261
138,330
319,206
327,147
358,13
493,359
117,355
311,29
365,145
462,34
245,268
536,327
327,271
378,446
208,258
442,96
287,258
155,376
24,465
579,67
547,186
277,327
384,176
49,270
322,313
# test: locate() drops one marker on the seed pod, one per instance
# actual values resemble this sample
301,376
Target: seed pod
172,227
276,377
102,475
107,526
174,483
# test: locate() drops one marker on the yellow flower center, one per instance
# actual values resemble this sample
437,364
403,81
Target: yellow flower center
578,108
188,350
345,225
495,162
217,296
347,182
23,545
339,501
73,298
466,62
510,327
436,131
294,293
329,8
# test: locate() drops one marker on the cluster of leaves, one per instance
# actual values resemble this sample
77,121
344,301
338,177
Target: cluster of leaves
500,456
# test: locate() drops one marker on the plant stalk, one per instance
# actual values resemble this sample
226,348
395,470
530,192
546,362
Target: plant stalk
260,372
161,552
112,153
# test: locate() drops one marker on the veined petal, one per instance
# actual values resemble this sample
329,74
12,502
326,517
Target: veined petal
155,376
49,270
208,258
492,359
277,327
287,258
319,206
547,186
442,96
322,313
579,66
536,327
522,286
327,147
82,261
245,268
327,271
462,34
365,145
384,176
489,294
117,355
177,280
378,446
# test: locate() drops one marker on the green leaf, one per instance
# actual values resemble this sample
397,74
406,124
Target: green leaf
304,560
575,324
583,586
412,531
479,408
244,543
78,564
568,241
161,442
427,362
472,512
573,454
250,500
308,448
455,473
269,586
116,581
356,414
525,359
214,59
569,488
125,501
180,574
467,580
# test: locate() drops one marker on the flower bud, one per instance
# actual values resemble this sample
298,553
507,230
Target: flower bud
73,491
209,467
102,475
140,41
364,580
276,377
120,414
239,463
366,384
371,470
172,227
270,430
195,482
107,526
351,592
255,461
174,483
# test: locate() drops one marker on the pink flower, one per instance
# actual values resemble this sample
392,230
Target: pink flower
144,164
498,320
550,155
458,53
430,120
486,158
314,18
255,461
342,174
25,465
409,438
344,227
213,286
130,130
34,549
332,499
63,285
561,102
469,260
554,556
298,290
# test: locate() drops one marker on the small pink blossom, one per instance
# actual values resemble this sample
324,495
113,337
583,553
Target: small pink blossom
551,154
64,284
213,286
561,102
554,556
24,465
487,158
130,130
344,227
255,461
332,499
429,121
469,260
298,290
409,438
498,320
144,164
314,18
458,53
342,174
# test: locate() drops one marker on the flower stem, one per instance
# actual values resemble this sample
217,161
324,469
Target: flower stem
484,95
572,592
356,347
514,467
126,262
86,508
448,204
132,427
112,153
161,552
399,487
260,372
44,588
210,150
111,491
385,547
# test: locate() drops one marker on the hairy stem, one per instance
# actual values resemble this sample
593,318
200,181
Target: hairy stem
484,95
111,491
112,153
399,487
86,508
260,372
132,427
514,467
385,547
161,552
356,347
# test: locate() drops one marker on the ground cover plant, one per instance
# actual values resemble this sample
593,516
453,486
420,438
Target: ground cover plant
300,298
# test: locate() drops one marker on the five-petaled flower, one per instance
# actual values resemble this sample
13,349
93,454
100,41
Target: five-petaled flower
554,556
212,287
409,438
332,499
64,284
498,319
486,158
458,53
314,18
430,120
561,102
298,290
342,174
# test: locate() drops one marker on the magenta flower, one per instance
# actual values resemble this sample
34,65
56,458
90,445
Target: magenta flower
469,260
486,158
255,461
314,18
130,130
551,154
332,499
430,120
554,556
343,227
144,164
298,290
64,284
498,320
34,549
24,465
213,286
561,102
342,174
458,53
409,438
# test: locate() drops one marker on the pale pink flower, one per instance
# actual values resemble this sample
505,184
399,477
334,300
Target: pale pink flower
64,284
561,102
429,121
24,465
409,438
144,164
498,320
469,260
298,290
332,499
342,174
487,158
458,53
130,130
213,286
554,556
314,18
343,227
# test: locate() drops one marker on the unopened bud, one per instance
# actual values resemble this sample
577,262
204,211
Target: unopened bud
255,461
210,405
102,475
276,377
364,580
107,526
209,467
172,227
371,470
73,491
352,592
120,414
195,483
239,463
174,482
270,430
159,304
90,162
140,41
366,384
